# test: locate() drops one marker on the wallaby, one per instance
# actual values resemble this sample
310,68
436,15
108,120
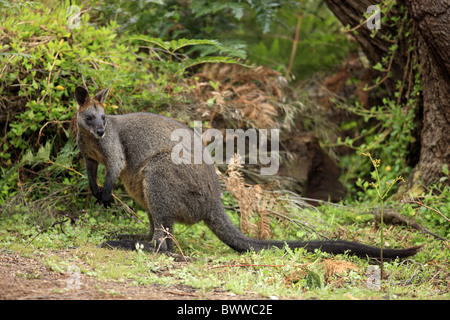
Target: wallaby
137,148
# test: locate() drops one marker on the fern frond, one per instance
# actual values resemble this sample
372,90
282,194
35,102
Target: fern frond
175,45
193,62
43,153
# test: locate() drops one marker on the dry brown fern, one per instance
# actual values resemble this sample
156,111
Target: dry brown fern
257,203
252,93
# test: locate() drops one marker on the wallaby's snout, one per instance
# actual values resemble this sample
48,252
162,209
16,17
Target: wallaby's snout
100,132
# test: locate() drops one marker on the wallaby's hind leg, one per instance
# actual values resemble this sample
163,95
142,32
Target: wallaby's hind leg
163,227
165,203
158,238
161,242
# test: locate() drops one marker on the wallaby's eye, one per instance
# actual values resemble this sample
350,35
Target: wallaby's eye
89,118
103,117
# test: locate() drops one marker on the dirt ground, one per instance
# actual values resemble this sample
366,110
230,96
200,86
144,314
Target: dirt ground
24,278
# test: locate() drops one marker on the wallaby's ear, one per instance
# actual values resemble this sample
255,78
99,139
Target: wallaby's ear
81,95
102,95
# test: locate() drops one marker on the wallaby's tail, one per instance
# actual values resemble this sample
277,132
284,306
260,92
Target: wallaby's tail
226,231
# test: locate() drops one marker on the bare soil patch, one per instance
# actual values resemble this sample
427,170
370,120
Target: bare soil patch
23,278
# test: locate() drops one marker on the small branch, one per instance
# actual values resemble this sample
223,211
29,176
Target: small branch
45,229
248,265
65,167
425,206
388,70
298,223
49,77
294,45
169,235
48,122
365,21
128,208
393,217
6,64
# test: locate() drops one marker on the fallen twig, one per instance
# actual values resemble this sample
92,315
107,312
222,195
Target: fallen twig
393,217
425,206
45,229
248,265
169,235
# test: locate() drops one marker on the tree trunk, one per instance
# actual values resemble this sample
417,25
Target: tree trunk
431,20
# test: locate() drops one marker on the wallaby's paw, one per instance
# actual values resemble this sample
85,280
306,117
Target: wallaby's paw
97,194
107,199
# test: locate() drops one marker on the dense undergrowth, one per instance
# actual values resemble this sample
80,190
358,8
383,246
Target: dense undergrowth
44,195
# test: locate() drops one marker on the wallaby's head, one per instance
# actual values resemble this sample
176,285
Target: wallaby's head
91,113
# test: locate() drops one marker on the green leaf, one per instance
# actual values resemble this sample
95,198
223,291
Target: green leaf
378,67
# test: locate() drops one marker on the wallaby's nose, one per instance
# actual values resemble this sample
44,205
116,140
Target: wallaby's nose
100,132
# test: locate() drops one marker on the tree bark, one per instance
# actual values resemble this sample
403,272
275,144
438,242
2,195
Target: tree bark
431,20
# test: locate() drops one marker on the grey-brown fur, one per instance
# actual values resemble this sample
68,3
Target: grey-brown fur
137,148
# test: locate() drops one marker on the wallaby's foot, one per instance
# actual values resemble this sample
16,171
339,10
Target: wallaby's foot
136,242
134,237
130,245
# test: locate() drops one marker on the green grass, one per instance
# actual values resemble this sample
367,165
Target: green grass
279,273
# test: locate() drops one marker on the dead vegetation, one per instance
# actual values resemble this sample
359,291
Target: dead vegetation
255,201
250,95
